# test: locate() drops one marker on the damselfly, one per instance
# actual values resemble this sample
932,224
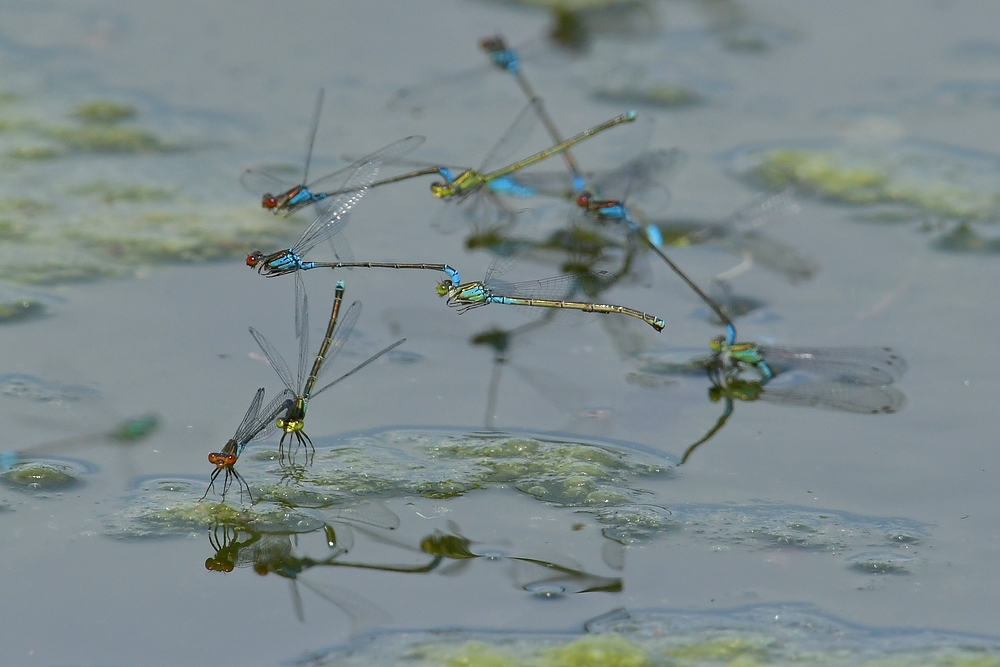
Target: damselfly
257,424
302,388
459,187
293,196
546,293
873,366
618,211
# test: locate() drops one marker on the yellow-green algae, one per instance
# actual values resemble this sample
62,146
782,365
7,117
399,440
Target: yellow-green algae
104,139
387,464
41,476
104,112
114,193
929,179
759,636
115,241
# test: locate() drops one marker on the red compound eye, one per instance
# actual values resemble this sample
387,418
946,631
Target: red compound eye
583,199
253,259
268,201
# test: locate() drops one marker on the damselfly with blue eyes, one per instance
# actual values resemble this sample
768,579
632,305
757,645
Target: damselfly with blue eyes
257,424
302,387
291,197
871,366
546,293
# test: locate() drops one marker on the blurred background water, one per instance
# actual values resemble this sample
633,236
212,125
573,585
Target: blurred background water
510,478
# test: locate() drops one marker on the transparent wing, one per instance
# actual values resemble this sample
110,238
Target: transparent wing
301,307
265,424
415,99
559,288
864,366
302,315
775,256
752,216
334,209
376,515
258,182
498,267
638,175
519,131
249,417
361,365
343,331
311,137
337,180
274,358
864,399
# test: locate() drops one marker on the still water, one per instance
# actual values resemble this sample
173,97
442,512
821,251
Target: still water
502,488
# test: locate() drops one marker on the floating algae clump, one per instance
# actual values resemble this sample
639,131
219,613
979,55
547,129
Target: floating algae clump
928,179
114,193
41,476
104,139
443,465
780,635
351,470
104,112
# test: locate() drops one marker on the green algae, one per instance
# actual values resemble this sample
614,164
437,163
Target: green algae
34,153
635,523
41,476
103,139
104,112
356,469
927,179
121,239
599,651
766,635
18,310
114,193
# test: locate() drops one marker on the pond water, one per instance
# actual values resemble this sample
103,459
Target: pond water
502,488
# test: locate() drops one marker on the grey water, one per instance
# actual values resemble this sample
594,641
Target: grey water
526,484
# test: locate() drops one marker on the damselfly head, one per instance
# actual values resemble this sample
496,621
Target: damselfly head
221,460
444,287
493,44
219,565
253,259
583,200
440,190
717,343
268,200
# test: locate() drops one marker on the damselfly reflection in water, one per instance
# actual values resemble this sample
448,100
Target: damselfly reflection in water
128,432
829,394
546,293
271,551
257,424
302,387
291,197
